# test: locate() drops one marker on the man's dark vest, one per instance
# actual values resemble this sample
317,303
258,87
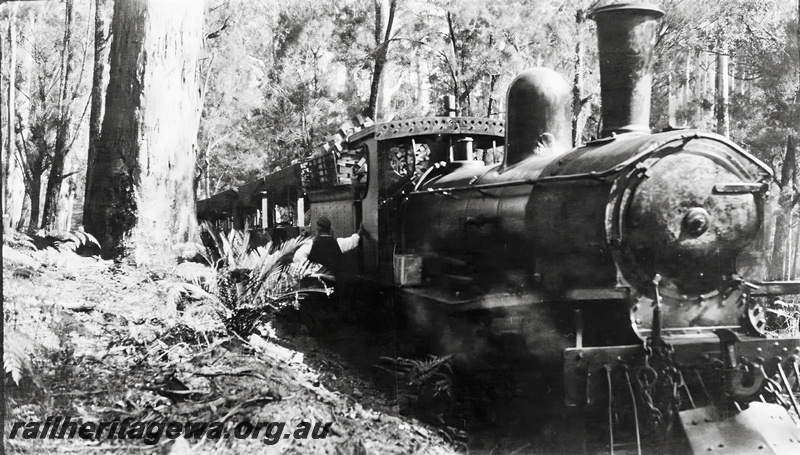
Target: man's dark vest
326,252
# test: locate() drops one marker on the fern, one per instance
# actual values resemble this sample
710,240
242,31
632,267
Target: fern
178,292
84,238
18,240
252,281
229,251
16,354
62,240
434,373
275,276
424,387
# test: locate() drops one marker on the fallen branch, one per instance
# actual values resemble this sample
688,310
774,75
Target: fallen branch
239,373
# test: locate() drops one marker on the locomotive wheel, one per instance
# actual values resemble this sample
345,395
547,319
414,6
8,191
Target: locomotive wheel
755,318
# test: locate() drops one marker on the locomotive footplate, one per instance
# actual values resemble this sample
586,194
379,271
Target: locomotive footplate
761,428
587,369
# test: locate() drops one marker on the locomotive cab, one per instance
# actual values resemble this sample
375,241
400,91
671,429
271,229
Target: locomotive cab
399,156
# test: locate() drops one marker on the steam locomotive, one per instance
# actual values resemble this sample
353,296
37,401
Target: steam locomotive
615,264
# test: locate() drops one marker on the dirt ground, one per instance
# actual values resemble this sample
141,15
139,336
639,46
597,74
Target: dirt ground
98,341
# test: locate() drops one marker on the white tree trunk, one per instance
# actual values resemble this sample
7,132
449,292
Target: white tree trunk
699,80
687,75
11,172
671,99
795,270
723,121
142,195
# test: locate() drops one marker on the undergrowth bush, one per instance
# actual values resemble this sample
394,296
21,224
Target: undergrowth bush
420,383
253,282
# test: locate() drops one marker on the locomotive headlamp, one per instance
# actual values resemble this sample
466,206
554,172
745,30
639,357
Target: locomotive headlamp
695,223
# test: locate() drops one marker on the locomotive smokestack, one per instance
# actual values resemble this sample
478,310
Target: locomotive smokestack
538,116
626,36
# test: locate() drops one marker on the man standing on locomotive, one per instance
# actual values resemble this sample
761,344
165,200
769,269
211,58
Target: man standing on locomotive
327,250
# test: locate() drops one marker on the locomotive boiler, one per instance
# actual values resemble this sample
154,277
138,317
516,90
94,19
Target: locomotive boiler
600,221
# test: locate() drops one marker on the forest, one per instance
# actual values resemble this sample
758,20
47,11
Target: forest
269,81
117,116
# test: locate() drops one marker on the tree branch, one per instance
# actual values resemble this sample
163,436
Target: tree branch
388,31
789,168
217,32
80,122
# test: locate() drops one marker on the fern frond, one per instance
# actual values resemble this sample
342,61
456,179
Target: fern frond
88,239
18,240
188,290
272,276
69,247
16,354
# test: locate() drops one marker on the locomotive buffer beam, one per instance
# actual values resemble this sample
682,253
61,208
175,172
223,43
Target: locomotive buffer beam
585,383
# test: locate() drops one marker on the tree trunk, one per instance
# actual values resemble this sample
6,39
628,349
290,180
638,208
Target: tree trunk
63,127
25,212
687,75
723,121
780,249
794,273
492,85
142,199
672,119
17,184
66,205
8,158
577,86
207,177
35,192
423,86
711,79
99,82
462,98
5,157
381,56
384,18
54,180
698,86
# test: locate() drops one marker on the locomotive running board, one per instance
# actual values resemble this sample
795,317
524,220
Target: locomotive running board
762,428
774,288
465,302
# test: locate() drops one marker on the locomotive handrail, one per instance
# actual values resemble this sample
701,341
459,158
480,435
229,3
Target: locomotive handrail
594,175
600,175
